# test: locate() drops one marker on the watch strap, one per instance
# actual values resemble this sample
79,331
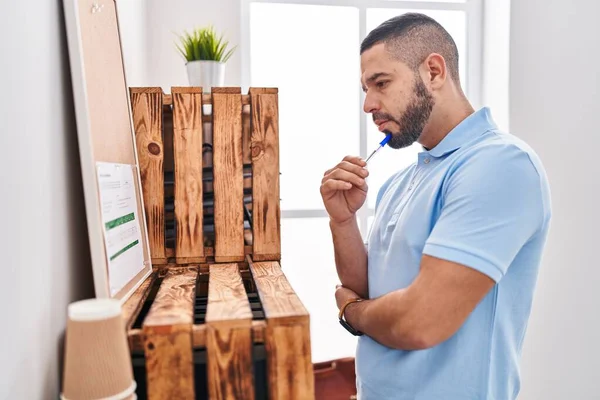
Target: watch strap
346,304
343,322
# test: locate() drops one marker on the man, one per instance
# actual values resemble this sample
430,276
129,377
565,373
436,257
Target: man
441,294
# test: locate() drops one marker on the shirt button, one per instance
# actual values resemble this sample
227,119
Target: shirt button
426,161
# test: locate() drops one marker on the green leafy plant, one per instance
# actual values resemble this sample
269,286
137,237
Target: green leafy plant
204,44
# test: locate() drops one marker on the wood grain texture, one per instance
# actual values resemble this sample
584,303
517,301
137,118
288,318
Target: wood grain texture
230,363
174,302
207,99
227,90
287,336
135,302
279,300
199,335
168,337
187,146
229,335
289,362
146,104
227,299
228,177
169,362
209,255
266,228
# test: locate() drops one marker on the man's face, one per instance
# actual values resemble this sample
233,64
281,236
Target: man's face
395,95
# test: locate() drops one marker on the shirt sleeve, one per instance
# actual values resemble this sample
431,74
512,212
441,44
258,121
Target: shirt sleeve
492,205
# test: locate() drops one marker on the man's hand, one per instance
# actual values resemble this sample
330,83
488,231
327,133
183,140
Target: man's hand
344,189
343,294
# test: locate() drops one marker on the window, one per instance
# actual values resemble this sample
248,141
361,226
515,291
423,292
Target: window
310,51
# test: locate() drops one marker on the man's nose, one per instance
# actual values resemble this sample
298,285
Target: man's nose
371,104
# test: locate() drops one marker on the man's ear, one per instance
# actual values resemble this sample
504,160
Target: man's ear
435,71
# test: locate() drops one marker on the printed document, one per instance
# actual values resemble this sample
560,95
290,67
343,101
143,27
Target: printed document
121,224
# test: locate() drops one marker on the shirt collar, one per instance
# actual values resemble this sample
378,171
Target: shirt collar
468,129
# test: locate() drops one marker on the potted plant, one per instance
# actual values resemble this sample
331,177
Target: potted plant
206,55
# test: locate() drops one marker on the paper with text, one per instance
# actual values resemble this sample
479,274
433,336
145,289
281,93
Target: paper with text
121,224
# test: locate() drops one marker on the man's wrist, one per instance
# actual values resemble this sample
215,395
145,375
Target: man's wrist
342,224
352,313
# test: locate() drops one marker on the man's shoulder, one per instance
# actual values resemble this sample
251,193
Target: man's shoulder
499,159
499,152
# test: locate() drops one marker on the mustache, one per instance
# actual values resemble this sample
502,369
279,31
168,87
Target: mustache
380,116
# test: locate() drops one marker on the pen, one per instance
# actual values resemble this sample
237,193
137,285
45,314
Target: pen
381,144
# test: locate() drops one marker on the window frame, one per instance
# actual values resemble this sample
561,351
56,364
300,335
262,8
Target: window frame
474,61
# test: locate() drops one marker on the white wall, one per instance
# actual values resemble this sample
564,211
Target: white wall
166,19
496,58
43,239
555,106
132,29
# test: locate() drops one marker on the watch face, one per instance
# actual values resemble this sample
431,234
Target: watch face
349,328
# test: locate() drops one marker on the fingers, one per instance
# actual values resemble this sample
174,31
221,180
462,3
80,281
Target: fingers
353,164
355,160
333,185
346,176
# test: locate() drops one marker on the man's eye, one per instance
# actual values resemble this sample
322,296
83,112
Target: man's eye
382,84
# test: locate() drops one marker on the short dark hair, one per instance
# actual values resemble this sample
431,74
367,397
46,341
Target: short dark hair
411,37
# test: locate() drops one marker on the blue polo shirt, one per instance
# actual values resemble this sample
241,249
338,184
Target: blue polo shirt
479,198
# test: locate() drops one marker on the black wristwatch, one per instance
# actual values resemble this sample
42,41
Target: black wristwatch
343,322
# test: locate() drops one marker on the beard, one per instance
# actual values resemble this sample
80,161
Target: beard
413,120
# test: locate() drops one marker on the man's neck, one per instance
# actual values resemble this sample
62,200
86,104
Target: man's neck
444,117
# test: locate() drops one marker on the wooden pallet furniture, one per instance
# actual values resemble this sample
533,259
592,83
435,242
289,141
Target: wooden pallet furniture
217,319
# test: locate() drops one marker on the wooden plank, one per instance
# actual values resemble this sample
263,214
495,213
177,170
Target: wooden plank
146,105
279,300
174,301
229,335
289,363
135,302
207,99
209,252
187,146
199,335
228,178
287,337
229,90
168,337
266,230
227,299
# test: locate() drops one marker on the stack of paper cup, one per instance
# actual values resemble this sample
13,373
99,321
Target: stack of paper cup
97,360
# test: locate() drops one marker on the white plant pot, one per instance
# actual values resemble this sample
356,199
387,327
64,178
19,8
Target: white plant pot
206,74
